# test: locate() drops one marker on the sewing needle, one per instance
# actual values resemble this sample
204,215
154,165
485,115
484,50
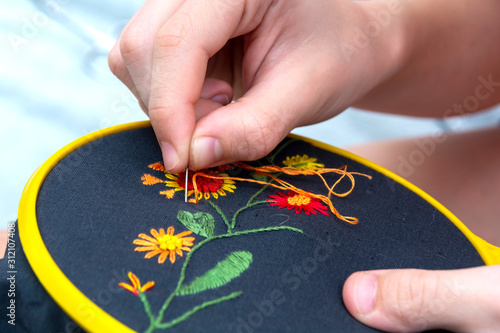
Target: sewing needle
186,187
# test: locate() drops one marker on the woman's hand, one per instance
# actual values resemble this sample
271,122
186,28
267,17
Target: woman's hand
411,300
289,62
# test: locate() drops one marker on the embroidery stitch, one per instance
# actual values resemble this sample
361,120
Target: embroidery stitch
196,309
200,223
225,271
303,162
136,287
209,183
147,179
165,244
158,166
156,322
216,185
283,185
299,202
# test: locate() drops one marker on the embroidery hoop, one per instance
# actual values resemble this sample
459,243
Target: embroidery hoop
89,315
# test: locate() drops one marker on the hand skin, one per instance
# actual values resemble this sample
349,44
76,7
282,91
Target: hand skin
461,172
287,49
411,300
289,63
274,51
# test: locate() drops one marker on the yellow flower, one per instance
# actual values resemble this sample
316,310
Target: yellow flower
303,162
164,244
136,288
207,187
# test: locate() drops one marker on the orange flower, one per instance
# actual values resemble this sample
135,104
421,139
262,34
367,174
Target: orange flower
164,244
136,288
207,187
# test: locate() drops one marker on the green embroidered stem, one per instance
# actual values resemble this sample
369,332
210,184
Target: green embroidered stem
249,205
200,244
198,308
259,192
147,307
253,197
272,156
221,213
249,202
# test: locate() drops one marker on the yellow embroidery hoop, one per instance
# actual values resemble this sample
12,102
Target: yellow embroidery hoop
90,316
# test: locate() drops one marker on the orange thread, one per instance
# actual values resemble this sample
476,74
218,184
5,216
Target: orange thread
283,185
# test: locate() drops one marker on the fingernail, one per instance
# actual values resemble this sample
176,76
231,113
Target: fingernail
170,156
365,288
222,99
206,152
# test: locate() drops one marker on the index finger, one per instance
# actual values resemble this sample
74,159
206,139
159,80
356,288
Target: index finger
181,52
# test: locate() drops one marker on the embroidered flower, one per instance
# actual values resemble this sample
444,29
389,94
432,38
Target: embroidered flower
136,287
207,187
164,244
299,202
303,162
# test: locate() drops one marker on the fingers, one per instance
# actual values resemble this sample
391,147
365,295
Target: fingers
217,90
247,129
182,49
137,40
413,300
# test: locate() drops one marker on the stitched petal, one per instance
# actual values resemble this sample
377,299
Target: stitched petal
157,166
148,286
155,233
172,257
162,257
152,253
135,281
143,242
129,288
149,238
185,233
145,248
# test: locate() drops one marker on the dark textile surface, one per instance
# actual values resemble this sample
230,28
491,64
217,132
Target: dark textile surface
93,205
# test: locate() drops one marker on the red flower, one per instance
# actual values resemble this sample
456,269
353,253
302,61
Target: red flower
299,202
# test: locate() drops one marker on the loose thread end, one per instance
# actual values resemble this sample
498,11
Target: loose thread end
283,185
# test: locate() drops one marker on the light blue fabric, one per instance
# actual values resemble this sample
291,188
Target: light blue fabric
50,95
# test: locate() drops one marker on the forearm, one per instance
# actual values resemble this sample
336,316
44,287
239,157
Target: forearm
444,48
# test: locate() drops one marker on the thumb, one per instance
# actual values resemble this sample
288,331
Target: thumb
247,129
411,300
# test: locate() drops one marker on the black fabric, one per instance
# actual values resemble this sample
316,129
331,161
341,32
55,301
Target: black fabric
35,311
93,205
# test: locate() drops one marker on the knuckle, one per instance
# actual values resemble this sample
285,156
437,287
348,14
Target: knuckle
415,297
133,41
174,33
115,61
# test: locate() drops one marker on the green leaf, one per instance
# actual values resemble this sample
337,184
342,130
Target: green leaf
200,223
225,270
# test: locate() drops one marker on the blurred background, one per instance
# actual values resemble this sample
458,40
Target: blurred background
55,86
